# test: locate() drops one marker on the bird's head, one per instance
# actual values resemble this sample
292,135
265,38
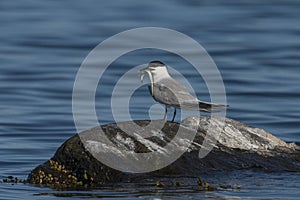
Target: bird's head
156,71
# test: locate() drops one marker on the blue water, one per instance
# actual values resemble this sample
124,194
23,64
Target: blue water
255,44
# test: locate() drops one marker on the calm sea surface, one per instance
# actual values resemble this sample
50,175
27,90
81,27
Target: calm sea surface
256,46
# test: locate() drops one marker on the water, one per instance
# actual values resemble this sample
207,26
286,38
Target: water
254,44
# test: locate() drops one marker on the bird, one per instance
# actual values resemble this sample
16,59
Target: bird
166,90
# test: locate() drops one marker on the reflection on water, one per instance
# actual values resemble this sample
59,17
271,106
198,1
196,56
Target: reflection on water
255,46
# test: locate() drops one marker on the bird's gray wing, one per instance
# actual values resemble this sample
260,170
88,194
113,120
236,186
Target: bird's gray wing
172,93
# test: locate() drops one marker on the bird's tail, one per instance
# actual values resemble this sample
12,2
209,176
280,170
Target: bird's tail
211,107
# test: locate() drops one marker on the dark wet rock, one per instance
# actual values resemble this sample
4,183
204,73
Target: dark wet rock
235,146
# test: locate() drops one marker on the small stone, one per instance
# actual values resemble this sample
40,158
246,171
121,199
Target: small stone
85,176
208,187
159,184
199,182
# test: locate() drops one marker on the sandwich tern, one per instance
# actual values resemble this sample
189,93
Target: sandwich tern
166,90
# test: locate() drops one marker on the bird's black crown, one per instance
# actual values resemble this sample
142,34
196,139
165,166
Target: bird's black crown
156,63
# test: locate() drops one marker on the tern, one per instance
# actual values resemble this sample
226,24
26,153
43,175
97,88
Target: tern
166,90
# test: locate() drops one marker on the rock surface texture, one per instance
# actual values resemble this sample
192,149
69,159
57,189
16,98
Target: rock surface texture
234,146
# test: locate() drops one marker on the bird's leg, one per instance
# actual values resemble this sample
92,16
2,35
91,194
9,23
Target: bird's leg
174,114
166,110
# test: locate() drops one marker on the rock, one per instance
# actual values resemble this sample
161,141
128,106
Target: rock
237,135
234,146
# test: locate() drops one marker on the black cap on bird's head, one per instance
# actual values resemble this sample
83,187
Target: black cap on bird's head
156,63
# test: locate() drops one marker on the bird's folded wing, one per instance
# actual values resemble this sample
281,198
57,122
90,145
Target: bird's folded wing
172,93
